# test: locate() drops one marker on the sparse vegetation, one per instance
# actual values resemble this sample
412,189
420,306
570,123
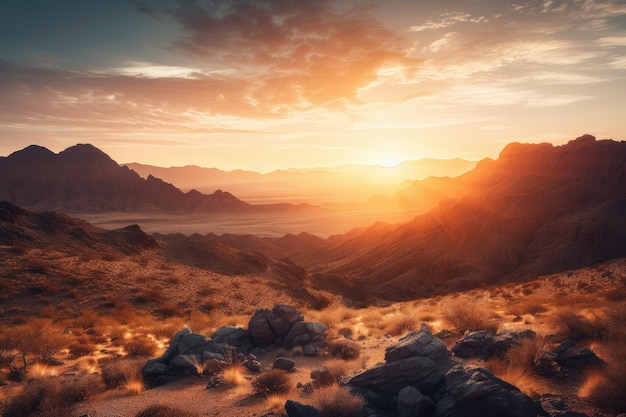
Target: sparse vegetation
344,349
272,382
335,401
163,411
469,315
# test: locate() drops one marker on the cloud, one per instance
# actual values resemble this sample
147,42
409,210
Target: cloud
301,54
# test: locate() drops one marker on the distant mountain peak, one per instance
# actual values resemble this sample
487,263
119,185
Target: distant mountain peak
32,153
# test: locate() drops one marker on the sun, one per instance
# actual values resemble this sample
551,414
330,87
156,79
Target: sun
389,160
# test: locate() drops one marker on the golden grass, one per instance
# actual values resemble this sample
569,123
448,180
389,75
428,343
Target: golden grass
336,401
234,376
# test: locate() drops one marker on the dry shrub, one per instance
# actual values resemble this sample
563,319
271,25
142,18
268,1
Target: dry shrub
608,389
29,400
577,326
233,376
118,372
163,411
331,374
140,346
518,374
469,315
272,382
528,351
335,401
53,395
344,349
398,324
82,347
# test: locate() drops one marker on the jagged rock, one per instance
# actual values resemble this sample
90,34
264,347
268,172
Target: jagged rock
303,333
418,343
554,406
253,366
412,403
234,336
485,344
295,409
475,392
390,377
188,354
418,359
288,313
284,364
260,330
569,355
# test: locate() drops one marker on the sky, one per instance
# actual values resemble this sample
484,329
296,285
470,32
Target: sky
274,84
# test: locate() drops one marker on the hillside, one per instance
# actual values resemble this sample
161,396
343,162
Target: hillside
537,209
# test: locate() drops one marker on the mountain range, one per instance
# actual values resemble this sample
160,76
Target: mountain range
82,178
341,184
536,209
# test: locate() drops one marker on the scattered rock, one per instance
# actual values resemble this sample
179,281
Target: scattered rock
485,344
234,336
295,409
569,355
554,406
284,364
412,403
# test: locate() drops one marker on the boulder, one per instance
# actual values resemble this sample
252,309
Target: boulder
419,359
418,343
188,354
310,335
284,364
485,344
288,313
268,328
475,392
412,403
234,336
570,355
295,409
553,406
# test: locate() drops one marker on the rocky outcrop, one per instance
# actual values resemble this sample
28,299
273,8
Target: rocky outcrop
554,406
420,379
188,354
193,354
284,325
485,344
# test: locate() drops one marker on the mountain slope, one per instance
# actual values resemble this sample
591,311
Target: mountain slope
84,179
537,209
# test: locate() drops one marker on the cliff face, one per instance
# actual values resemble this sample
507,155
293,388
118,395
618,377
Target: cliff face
84,179
537,209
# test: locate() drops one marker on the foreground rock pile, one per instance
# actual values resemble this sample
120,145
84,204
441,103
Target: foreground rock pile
193,354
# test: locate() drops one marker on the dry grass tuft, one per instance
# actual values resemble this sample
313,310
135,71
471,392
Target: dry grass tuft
576,326
331,374
466,314
344,349
335,401
606,388
233,376
118,372
140,346
163,411
272,382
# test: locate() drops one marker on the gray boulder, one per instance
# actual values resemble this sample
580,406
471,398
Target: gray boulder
554,406
475,392
485,344
570,355
412,403
284,364
295,409
234,336
419,359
